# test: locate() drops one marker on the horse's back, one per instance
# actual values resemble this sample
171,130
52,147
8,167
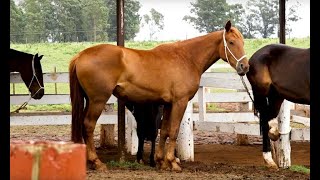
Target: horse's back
284,67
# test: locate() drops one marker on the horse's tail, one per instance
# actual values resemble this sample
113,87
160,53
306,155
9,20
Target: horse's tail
77,103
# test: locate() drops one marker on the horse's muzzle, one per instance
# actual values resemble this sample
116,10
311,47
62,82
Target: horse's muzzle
243,69
37,95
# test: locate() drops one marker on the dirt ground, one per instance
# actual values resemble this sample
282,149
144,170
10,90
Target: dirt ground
216,157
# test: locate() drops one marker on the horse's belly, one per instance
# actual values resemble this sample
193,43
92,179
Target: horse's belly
126,91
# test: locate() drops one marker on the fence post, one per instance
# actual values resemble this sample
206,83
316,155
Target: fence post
107,131
202,104
243,139
185,144
282,149
132,140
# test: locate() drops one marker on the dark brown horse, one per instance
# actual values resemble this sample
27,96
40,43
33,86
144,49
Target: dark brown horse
30,69
278,72
168,74
148,117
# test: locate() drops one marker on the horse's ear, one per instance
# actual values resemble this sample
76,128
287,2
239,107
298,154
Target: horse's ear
40,57
228,26
36,55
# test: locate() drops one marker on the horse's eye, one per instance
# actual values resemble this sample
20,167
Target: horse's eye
231,42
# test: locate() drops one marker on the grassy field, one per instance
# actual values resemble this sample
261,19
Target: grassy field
57,56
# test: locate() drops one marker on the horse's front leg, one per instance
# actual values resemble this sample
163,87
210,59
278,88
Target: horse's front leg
266,147
176,115
93,113
159,154
153,145
140,146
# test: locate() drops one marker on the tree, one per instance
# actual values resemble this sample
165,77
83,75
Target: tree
154,21
266,16
35,22
95,14
211,15
17,23
131,19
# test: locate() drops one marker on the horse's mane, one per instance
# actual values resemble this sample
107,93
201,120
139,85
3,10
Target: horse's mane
15,53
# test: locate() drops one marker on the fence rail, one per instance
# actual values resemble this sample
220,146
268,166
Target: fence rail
243,122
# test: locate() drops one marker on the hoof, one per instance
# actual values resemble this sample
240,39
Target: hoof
176,167
101,167
274,135
267,157
140,161
272,166
152,163
164,166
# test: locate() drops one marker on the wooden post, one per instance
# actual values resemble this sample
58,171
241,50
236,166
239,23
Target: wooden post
281,149
107,130
121,107
107,135
202,104
242,139
283,154
185,144
132,141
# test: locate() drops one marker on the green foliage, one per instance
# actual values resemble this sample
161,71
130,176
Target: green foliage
70,20
259,17
17,22
299,168
210,15
131,19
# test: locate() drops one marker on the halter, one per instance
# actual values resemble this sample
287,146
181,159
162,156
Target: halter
238,60
33,77
227,48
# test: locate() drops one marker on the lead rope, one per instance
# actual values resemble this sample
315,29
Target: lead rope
41,87
255,111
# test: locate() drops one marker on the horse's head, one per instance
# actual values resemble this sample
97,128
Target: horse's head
34,80
232,49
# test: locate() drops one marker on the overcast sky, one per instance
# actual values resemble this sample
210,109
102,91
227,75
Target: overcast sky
177,29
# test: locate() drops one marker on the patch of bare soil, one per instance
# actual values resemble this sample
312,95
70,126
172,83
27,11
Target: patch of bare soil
216,157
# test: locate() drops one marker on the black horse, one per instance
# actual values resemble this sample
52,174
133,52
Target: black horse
148,117
30,69
277,72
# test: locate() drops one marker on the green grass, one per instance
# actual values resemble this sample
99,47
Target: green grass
127,165
299,168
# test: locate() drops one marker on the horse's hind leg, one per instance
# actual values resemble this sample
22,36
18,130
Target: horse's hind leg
261,105
275,102
94,111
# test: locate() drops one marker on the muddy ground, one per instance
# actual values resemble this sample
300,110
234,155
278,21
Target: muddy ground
216,157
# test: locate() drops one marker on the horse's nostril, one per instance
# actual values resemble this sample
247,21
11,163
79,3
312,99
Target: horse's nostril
241,66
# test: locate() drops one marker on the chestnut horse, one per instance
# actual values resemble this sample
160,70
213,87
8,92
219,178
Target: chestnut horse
30,69
277,72
168,74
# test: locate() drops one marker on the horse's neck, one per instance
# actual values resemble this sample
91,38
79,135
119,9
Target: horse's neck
203,50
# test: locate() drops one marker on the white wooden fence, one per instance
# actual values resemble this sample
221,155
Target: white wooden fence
241,122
